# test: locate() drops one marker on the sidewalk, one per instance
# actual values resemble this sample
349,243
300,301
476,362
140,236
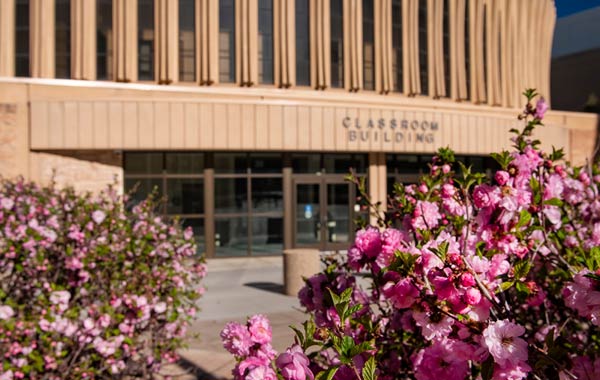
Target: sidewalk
237,288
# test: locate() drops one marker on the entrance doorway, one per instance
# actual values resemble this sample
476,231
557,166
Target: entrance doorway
323,212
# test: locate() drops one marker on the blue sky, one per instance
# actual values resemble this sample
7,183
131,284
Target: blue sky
567,7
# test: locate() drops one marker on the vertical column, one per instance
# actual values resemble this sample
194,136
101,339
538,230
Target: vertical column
377,178
492,14
410,43
458,79
353,53
207,41
284,40
83,39
209,207
320,44
384,82
42,38
435,48
167,41
476,50
246,42
288,204
125,29
7,38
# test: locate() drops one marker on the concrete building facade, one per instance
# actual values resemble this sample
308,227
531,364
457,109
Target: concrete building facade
246,114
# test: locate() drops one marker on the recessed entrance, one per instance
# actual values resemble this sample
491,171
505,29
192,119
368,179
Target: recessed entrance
323,212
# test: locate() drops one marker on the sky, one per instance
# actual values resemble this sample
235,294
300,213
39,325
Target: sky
567,7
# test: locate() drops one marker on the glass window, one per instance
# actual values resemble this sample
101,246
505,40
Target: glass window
231,163
184,163
397,64
267,235
306,163
139,188
265,41
368,45
267,195
342,163
197,225
146,39
22,38
104,40
302,43
424,74
266,163
187,41
227,41
231,195
63,39
143,163
446,41
231,236
337,43
185,196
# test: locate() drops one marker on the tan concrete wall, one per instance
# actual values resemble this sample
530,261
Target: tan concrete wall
146,117
84,171
14,131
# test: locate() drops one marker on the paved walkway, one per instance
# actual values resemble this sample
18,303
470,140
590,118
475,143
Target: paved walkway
235,289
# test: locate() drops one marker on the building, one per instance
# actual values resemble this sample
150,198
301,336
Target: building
576,62
247,113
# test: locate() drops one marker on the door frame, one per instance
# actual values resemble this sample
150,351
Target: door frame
323,181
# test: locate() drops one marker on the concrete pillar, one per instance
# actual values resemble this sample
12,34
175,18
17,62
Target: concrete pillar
83,39
377,179
125,25
284,40
42,40
299,264
7,38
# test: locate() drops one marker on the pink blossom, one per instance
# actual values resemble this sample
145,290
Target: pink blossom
445,359
502,340
442,326
368,241
160,307
236,339
402,294
426,215
6,312
98,216
585,369
540,108
260,329
293,364
502,177
472,296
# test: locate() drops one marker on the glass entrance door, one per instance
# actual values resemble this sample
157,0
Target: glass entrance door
323,213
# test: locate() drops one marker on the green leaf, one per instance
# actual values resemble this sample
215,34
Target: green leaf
522,288
327,375
522,268
347,346
487,369
554,202
506,285
524,219
368,371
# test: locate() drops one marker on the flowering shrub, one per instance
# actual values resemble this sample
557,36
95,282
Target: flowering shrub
467,278
88,289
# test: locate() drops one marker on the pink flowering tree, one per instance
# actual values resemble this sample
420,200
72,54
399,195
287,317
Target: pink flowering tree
89,289
464,277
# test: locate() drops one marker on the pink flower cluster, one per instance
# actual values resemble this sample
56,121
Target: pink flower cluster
251,346
90,289
468,276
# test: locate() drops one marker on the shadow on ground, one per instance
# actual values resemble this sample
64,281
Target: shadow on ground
195,372
267,286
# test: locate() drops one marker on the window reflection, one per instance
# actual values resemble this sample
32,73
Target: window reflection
22,38
146,39
424,74
397,68
265,41
63,39
226,41
187,41
368,45
302,43
337,43
104,39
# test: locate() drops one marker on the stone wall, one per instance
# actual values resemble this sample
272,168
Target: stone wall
85,171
